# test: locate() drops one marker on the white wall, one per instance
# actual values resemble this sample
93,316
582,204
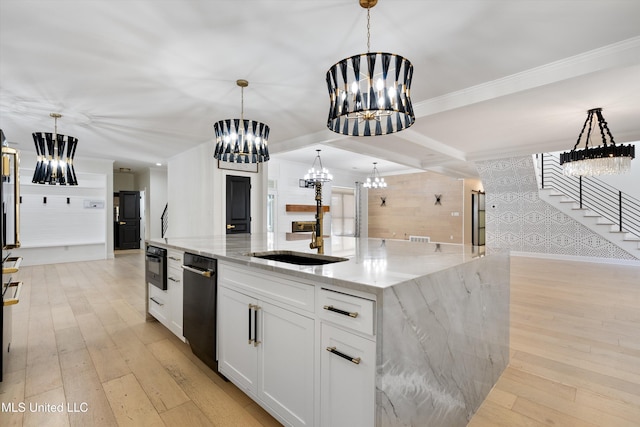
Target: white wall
67,238
123,182
197,194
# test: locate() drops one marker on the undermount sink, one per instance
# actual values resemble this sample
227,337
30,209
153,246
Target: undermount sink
298,258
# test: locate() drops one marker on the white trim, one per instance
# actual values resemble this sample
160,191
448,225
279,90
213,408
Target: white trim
577,258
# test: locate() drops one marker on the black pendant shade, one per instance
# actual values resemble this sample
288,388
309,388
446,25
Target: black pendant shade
370,94
52,166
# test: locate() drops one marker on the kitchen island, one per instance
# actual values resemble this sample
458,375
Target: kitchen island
438,328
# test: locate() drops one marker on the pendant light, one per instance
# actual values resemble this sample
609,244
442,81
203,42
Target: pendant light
240,140
370,92
606,159
51,165
375,180
318,173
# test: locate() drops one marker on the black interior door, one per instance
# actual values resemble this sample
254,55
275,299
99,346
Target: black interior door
129,223
238,204
478,219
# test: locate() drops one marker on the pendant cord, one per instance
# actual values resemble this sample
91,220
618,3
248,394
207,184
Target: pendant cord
368,29
242,104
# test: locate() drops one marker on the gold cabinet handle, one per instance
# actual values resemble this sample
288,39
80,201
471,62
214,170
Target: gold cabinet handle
123,223
352,314
333,350
230,227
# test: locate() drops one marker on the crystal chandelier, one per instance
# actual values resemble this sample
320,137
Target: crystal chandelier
51,165
375,180
607,159
318,173
240,140
369,93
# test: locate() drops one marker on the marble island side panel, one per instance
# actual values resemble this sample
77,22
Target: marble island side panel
444,344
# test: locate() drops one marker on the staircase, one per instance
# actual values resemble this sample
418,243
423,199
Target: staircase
165,219
602,208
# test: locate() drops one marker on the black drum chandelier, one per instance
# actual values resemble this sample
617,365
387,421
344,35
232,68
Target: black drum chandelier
52,167
370,93
240,140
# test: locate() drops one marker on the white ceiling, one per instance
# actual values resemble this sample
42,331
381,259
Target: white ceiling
138,81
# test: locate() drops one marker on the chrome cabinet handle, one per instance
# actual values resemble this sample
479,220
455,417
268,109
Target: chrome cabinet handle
174,258
154,300
333,350
353,314
174,280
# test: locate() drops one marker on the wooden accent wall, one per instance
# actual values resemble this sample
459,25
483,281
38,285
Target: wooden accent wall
410,208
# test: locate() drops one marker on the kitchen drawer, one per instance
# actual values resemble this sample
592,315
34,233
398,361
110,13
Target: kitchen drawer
174,275
159,304
264,284
174,259
347,310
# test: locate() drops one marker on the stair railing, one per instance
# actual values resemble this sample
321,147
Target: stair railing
165,219
592,193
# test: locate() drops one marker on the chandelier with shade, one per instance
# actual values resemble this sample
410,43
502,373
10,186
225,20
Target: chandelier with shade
240,140
53,166
370,93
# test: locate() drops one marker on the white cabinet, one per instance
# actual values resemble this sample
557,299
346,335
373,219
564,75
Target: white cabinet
347,379
158,304
347,360
305,353
268,351
166,306
175,291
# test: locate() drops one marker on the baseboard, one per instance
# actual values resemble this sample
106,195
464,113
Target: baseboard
561,257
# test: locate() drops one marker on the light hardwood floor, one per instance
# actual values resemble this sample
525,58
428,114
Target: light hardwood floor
80,336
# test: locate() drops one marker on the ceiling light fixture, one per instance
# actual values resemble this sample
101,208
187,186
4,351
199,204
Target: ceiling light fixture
375,180
607,159
53,168
240,140
373,88
319,173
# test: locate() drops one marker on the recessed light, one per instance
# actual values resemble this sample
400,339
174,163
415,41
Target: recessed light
158,164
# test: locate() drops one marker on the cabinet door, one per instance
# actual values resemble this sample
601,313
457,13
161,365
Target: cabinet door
174,285
347,389
286,363
159,304
237,355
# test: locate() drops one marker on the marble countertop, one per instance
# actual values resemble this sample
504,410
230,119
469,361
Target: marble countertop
372,263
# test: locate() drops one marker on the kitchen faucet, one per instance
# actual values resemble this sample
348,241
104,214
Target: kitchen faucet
317,241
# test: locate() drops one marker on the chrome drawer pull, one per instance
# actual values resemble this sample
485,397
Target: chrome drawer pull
333,350
174,280
154,300
174,258
353,314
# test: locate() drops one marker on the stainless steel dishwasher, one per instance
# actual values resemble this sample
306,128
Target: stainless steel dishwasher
200,299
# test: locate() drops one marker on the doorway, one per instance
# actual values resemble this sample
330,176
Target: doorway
478,218
127,220
238,204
